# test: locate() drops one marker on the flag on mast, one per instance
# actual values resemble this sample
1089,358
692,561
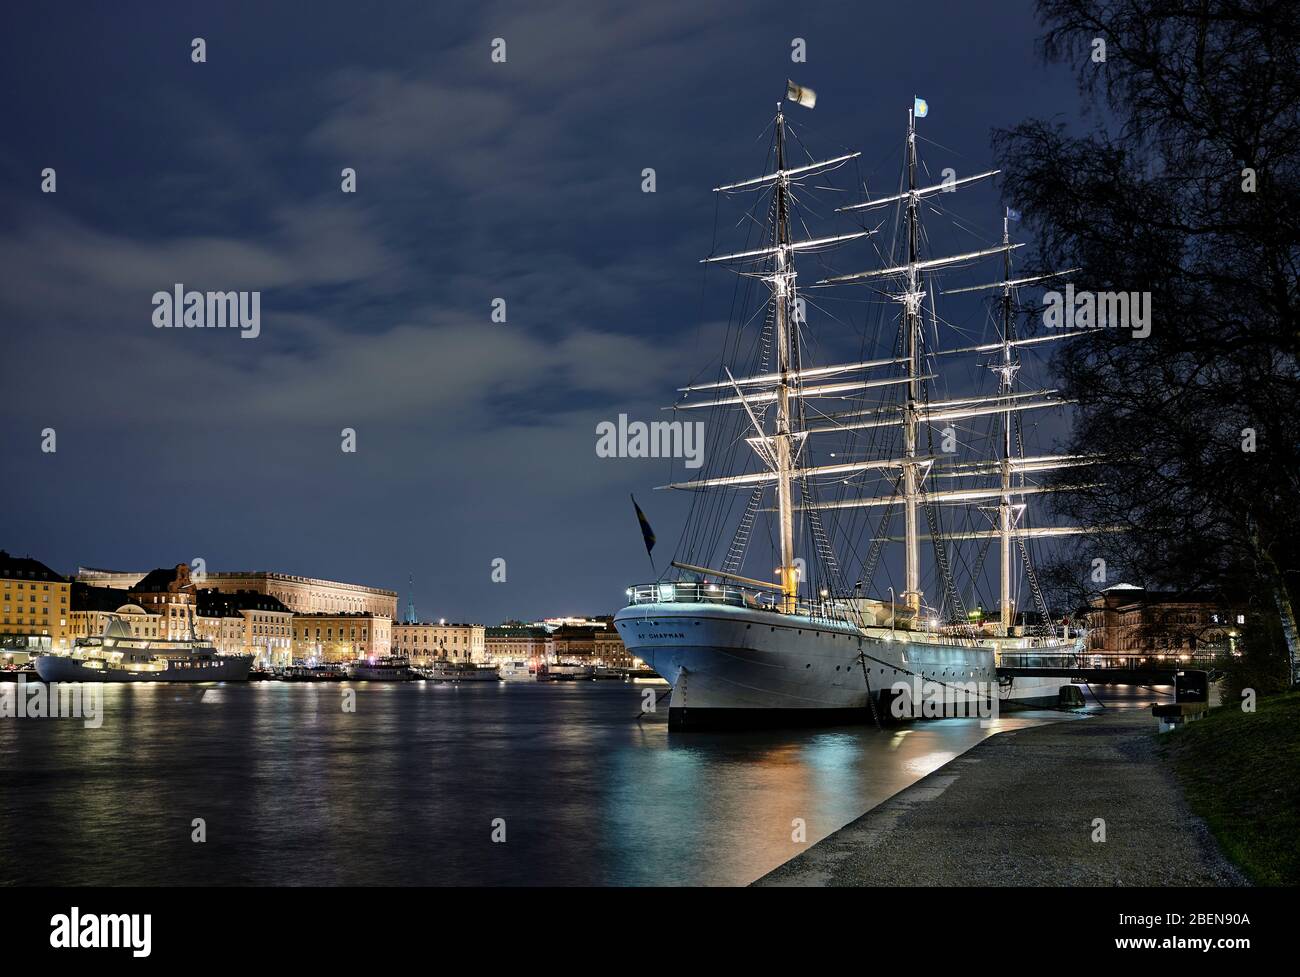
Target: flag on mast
1013,214
798,93
920,107
647,533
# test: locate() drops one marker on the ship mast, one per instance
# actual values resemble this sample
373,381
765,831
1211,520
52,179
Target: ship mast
779,450
912,342
1006,371
915,411
782,292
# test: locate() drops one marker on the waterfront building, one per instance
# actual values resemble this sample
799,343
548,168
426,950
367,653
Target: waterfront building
574,644
247,623
220,624
610,651
301,595
518,642
592,641
34,607
1130,626
427,641
268,628
168,593
341,637
93,607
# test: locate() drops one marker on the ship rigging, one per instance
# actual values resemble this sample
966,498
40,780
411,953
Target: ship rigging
813,452
776,404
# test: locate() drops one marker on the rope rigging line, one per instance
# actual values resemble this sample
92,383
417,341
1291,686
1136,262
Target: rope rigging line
740,541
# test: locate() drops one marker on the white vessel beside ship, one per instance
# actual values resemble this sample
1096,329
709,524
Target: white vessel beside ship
118,656
565,672
388,669
451,671
518,670
740,650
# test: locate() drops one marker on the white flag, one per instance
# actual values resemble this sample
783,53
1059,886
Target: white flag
798,93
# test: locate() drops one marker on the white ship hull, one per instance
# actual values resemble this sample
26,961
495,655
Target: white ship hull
743,667
218,668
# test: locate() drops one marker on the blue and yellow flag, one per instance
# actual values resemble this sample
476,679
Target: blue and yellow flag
647,533
920,107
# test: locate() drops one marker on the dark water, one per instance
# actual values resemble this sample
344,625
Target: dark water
294,790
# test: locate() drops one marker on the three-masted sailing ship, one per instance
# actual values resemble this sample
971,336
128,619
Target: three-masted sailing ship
807,644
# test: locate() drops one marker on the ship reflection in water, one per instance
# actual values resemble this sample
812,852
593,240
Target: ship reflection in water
405,790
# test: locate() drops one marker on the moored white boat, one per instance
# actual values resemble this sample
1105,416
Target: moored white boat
313,673
448,671
382,670
517,671
565,672
118,656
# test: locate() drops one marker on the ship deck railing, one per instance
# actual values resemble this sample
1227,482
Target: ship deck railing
1112,660
694,592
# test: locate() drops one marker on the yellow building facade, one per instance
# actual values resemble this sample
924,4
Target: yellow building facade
424,641
516,643
34,608
341,637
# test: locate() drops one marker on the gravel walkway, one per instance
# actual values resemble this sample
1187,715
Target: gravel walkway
1018,809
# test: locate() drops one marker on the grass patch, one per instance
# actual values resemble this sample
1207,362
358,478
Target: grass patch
1241,772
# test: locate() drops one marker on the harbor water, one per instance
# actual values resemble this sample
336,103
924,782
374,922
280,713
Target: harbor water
287,787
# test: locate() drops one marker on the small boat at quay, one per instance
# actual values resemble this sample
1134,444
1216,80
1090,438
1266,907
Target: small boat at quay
517,671
562,672
313,673
118,656
448,671
383,670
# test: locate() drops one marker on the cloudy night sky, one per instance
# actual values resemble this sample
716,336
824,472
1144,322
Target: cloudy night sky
475,180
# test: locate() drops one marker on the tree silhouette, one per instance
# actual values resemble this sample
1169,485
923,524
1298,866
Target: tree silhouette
1184,185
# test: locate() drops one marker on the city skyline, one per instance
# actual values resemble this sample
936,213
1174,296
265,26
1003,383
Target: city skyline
224,581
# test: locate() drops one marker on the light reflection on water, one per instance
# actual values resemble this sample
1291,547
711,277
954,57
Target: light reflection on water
404,791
